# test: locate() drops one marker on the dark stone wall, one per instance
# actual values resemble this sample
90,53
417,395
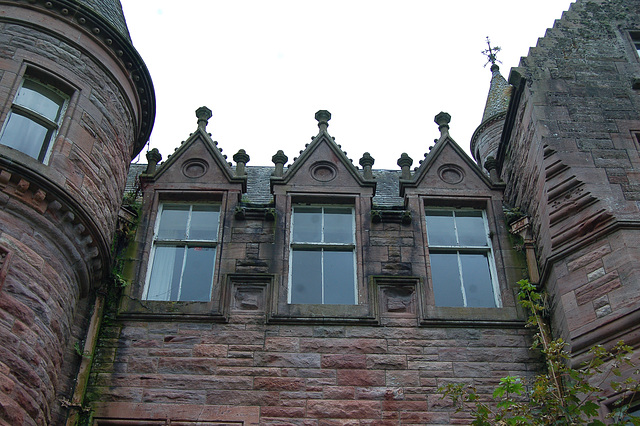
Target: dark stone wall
571,161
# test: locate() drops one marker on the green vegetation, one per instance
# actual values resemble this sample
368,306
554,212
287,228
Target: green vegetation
562,395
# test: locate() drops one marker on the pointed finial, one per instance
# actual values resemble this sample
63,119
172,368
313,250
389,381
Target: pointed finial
204,114
153,158
323,116
367,162
442,120
490,53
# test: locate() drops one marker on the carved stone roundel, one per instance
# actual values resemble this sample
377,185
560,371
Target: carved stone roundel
323,171
195,168
450,173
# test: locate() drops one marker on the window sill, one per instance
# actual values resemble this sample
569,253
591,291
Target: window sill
171,311
506,317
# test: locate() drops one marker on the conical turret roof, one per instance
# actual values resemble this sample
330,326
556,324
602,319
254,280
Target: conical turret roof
499,95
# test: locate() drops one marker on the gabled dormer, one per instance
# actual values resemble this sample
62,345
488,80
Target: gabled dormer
446,170
323,167
199,163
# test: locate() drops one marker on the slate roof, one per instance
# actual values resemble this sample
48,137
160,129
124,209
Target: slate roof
499,95
258,182
110,11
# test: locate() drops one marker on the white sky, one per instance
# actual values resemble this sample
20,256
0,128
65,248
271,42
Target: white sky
383,69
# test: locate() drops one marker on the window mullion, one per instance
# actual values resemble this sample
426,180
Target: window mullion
464,293
184,263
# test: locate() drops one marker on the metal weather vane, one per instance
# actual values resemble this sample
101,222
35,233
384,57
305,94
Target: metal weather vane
491,53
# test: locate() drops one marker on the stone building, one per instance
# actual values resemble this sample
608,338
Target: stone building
313,292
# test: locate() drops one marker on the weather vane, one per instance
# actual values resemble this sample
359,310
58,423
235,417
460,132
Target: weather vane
491,53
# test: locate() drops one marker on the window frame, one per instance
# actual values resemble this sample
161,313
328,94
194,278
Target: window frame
488,250
178,242
323,247
47,84
635,41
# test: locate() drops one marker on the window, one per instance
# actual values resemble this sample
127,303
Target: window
462,268
34,119
322,263
635,37
184,253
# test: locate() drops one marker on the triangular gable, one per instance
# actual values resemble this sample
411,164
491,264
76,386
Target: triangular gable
448,167
323,165
198,160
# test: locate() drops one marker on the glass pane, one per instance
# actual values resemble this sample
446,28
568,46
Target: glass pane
25,135
165,273
40,99
173,222
198,274
307,225
306,276
204,223
471,229
338,225
445,276
339,276
440,228
477,280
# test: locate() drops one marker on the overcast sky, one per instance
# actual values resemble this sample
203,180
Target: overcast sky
383,69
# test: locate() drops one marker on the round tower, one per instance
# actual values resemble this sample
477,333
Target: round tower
486,138
76,105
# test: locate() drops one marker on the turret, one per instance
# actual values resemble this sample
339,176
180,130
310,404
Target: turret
486,138
76,105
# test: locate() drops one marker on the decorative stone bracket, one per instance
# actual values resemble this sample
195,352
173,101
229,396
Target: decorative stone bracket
522,227
391,216
243,212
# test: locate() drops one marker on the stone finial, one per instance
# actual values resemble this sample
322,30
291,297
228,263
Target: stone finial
204,114
323,116
279,159
241,158
153,158
367,162
405,163
491,165
442,120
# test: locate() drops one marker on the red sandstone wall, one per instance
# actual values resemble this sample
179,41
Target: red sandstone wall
57,219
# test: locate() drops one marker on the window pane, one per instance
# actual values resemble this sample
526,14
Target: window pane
25,135
38,98
338,225
204,223
173,222
198,274
306,276
471,229
307,225
339,285
477,280
165,273
440,228
445,276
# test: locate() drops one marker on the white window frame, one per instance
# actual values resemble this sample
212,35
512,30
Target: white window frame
24,111
323,246
168,242
458,249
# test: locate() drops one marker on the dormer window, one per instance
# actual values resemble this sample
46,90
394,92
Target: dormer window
323,256
461,258
34,119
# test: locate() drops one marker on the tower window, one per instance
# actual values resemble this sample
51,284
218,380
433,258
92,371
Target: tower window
34,119
635,38
322,263
462,266
184,253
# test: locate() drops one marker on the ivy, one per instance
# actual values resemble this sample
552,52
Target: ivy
561,395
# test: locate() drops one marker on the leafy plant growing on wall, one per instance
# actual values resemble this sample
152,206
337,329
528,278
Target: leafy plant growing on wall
562,395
